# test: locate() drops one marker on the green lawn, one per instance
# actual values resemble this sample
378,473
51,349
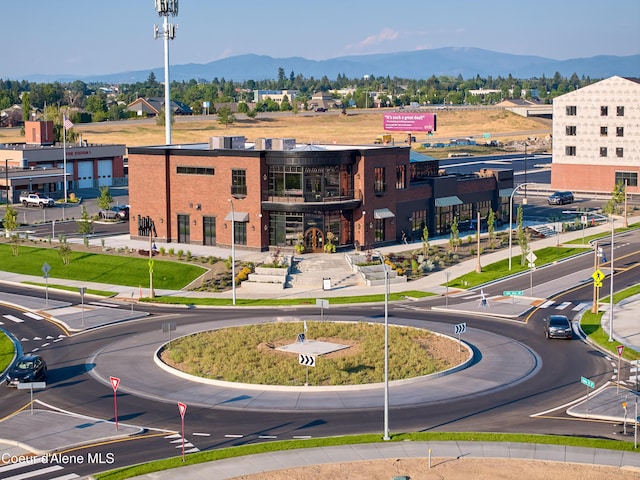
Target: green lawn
101,268
500,268
7,351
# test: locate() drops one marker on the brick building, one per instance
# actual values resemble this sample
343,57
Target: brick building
596,137
277,193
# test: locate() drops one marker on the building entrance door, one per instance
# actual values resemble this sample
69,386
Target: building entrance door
313,240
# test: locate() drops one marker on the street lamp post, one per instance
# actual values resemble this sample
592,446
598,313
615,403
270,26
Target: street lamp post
511,216
233,252
386,348
6,178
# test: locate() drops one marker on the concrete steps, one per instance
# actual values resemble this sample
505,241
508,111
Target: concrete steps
310,270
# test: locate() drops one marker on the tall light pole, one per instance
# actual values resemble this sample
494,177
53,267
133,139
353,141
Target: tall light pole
164,9
233,252
511,216
386,349
6,178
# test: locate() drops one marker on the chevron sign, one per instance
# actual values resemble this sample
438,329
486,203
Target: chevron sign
460,328
308,360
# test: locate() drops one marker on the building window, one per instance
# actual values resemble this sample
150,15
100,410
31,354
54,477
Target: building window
604,131
572,110
239,182
619,131
240,233
379,232
620,111
604,111
571,130
630,179
570,151
619,152
401,177
603,151
194,170
379,185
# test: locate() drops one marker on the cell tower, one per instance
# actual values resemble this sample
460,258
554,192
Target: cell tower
164,9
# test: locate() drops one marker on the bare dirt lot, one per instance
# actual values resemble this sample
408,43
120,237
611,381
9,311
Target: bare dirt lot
449,469
332,127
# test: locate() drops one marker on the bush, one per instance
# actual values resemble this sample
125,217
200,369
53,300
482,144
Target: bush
180,254
162,251
171,252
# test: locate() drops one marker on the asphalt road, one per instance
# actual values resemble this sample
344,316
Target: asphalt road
507,410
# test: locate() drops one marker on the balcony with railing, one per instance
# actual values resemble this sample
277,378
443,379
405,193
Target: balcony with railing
323,197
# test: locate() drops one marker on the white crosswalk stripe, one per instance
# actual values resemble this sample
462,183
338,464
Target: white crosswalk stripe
176,439
580,306
563,305
546,304
32,315
32,473
13,319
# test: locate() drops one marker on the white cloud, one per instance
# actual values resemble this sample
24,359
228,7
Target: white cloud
385,35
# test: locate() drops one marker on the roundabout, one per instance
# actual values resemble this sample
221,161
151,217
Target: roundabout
495,362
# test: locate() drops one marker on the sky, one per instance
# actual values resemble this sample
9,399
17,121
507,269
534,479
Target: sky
91,37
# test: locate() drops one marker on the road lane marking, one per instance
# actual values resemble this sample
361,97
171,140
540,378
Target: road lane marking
563,305
13,319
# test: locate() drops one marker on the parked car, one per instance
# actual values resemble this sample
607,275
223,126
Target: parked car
117,212
321,109
560,198
558,326
27,369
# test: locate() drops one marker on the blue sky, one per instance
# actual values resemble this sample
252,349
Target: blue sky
90,37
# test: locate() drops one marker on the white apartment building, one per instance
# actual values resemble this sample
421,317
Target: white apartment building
596,137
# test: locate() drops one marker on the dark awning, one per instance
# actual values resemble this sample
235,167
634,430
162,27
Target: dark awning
382,213
448,201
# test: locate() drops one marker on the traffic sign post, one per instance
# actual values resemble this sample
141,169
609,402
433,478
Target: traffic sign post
182,408
460,329
620,351
115,382
589,384
308,361
30,386
46,268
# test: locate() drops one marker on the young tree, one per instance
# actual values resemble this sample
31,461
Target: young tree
225,116
64,250
491,220
615,204
105,199
523,238
454,239
425,241
10,222
85,226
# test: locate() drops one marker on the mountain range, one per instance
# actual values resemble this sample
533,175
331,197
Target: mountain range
420,64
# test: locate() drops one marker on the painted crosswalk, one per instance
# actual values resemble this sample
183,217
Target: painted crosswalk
13,319
176,439
34,469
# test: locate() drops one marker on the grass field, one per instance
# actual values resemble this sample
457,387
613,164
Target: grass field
6,351
355,128
108,269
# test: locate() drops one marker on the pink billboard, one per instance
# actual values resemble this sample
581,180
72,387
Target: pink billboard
410,122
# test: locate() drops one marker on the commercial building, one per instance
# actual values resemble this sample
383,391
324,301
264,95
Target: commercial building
596,137
278,193
38,164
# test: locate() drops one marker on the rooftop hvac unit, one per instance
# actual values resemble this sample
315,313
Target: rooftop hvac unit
284,143
264,143
228,143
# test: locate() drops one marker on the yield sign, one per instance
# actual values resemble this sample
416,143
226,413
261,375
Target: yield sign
620,350
115,381
182,408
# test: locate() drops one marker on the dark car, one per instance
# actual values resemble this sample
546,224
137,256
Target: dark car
117,212
560,198
321,109
27,369
558,326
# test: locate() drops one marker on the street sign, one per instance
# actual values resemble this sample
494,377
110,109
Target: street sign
31,385
460,328
322,303
115,381
620,350
532,265
598,276
46,268
182,408
597,284
531,257
587,382
584,220
512,293
308,360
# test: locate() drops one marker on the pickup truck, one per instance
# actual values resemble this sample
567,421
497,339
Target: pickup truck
36,200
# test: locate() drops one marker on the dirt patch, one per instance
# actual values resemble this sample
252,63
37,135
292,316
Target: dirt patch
448,469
